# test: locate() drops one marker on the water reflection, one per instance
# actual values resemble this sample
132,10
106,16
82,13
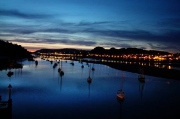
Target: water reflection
36,62
82,71
60,77
18,72
93,67
141,88
89,80
89,88
120,93
121,108
141,76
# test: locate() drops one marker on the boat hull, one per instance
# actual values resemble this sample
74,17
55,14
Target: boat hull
120,95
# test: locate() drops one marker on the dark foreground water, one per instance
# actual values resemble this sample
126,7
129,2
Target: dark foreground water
38,92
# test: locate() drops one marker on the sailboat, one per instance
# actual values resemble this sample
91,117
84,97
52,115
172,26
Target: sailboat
10,73
141,76
82,66
55,64
120,93
72,63
59,69
61,72
89,80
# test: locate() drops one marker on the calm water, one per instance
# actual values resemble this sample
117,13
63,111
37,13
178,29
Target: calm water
38,92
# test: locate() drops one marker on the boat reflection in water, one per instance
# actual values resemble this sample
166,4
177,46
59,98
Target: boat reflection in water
89,80
120,101
141,76
60,82
141,87
36,62
120,93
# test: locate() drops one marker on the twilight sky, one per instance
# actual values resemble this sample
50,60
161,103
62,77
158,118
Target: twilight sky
85,24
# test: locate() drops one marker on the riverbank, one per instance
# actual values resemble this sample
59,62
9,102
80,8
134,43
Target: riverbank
151,71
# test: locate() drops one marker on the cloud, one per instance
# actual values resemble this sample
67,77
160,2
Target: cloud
57,41
156,46
85,23
27,30
21,31
6,35
83,32
59,30
169,36
138,35
18,14
165,47
77,42
173,36
169,23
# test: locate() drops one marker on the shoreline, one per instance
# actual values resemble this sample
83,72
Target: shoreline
150,71
134,68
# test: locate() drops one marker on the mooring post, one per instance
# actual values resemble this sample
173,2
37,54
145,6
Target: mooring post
9,100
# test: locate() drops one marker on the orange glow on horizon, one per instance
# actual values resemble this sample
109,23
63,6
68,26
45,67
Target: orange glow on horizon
32,47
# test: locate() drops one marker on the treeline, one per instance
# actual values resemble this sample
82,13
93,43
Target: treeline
114,51
13,51
101,50
65,50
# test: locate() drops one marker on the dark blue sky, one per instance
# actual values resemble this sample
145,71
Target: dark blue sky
85,24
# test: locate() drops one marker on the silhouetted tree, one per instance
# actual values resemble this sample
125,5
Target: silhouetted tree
13,51
99,50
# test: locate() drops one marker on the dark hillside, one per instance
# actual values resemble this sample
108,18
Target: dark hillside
13,51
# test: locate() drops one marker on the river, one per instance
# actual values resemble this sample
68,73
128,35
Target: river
39,92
